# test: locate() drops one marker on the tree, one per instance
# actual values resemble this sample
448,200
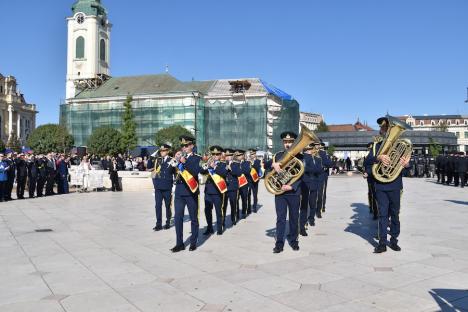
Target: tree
171,135
50,138
105,141
331,149
442,127
434,148
13,143
129,137
322,127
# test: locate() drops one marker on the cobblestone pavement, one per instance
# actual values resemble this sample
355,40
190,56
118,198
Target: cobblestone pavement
102,255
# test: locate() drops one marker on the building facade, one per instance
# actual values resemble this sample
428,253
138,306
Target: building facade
16,115
310,120
456,124
240,112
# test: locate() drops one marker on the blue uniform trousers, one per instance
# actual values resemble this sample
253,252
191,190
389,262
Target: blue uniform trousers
320,192
388,203
253,192
308,206
159,196
231,197
324,195
216,200
191,201
283,204
243,194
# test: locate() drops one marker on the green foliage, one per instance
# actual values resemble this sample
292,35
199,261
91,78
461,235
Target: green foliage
105,141
129,137
2,146
171,135
50,138
331,149
434,148
13,143
322,127
442,127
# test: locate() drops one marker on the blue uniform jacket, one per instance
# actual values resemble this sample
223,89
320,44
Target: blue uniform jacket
245,167
3,171
210,187
296,185
312,171
192,165
371,159
257,164
326,163
165,180
232,175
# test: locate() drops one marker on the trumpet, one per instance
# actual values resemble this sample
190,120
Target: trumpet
208,162
176,159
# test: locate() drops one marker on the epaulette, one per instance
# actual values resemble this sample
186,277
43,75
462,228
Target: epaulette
378,139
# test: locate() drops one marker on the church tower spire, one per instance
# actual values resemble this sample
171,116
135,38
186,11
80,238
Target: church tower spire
88,53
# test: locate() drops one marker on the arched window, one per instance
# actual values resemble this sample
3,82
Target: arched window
80,48
457,122
421,123
449,122
432,122
102,50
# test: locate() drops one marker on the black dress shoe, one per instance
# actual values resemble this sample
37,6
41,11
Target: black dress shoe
193,247
277,249
380,248
167,226
311,222
208,232
157,228
319,216
295,247
219,233
178,248
303,232
395,247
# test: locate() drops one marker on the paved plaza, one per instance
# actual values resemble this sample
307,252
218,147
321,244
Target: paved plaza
102,255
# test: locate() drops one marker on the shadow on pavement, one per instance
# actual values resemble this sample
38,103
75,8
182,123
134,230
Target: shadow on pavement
447,299
460,202
362,223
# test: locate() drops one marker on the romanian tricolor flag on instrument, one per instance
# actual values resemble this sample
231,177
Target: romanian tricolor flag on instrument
242,180
254,175
218,181
188,178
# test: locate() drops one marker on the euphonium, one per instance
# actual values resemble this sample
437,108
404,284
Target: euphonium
394,148
292,168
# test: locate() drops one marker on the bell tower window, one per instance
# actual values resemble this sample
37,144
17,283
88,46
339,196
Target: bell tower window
102,50
80,47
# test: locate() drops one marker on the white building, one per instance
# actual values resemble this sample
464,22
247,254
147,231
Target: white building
310,120
457,124
16,116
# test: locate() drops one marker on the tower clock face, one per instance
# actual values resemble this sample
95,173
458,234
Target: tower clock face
80,18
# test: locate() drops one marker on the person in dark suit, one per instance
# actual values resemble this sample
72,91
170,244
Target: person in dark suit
114,175
11,160
388,194
51,171
287,202
234,171
41,164
216,172
309,186
243,190
21,176
32,175
461,167
3,176
163,179
253,190
186,192
62,175
326,164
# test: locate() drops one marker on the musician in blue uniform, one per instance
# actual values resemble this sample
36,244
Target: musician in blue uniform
309,186
244,190
388,195
253,189
234,171
213,195
163,179
186,194
326,164
289,201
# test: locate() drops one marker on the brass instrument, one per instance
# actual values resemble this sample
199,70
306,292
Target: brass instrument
206,164
176,159
292,168
395,148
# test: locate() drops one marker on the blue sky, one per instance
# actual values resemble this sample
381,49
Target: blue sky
342,58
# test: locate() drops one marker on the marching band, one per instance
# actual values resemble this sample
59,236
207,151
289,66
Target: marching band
297,176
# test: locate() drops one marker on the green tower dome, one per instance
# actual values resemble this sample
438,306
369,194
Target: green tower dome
89,7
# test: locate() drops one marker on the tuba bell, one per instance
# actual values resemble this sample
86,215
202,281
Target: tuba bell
395,148
292,168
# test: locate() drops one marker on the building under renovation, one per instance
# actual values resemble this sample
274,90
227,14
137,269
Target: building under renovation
241,112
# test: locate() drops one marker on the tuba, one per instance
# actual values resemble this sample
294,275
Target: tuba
293,168
395,148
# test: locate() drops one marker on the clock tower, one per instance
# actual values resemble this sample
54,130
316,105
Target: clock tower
88,49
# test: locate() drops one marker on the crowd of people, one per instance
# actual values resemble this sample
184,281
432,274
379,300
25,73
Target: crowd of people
452,168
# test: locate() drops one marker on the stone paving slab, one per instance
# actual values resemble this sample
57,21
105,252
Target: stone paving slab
102,255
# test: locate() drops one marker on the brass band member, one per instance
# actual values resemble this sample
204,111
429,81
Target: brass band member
215,189
244,189
256,165
234,171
